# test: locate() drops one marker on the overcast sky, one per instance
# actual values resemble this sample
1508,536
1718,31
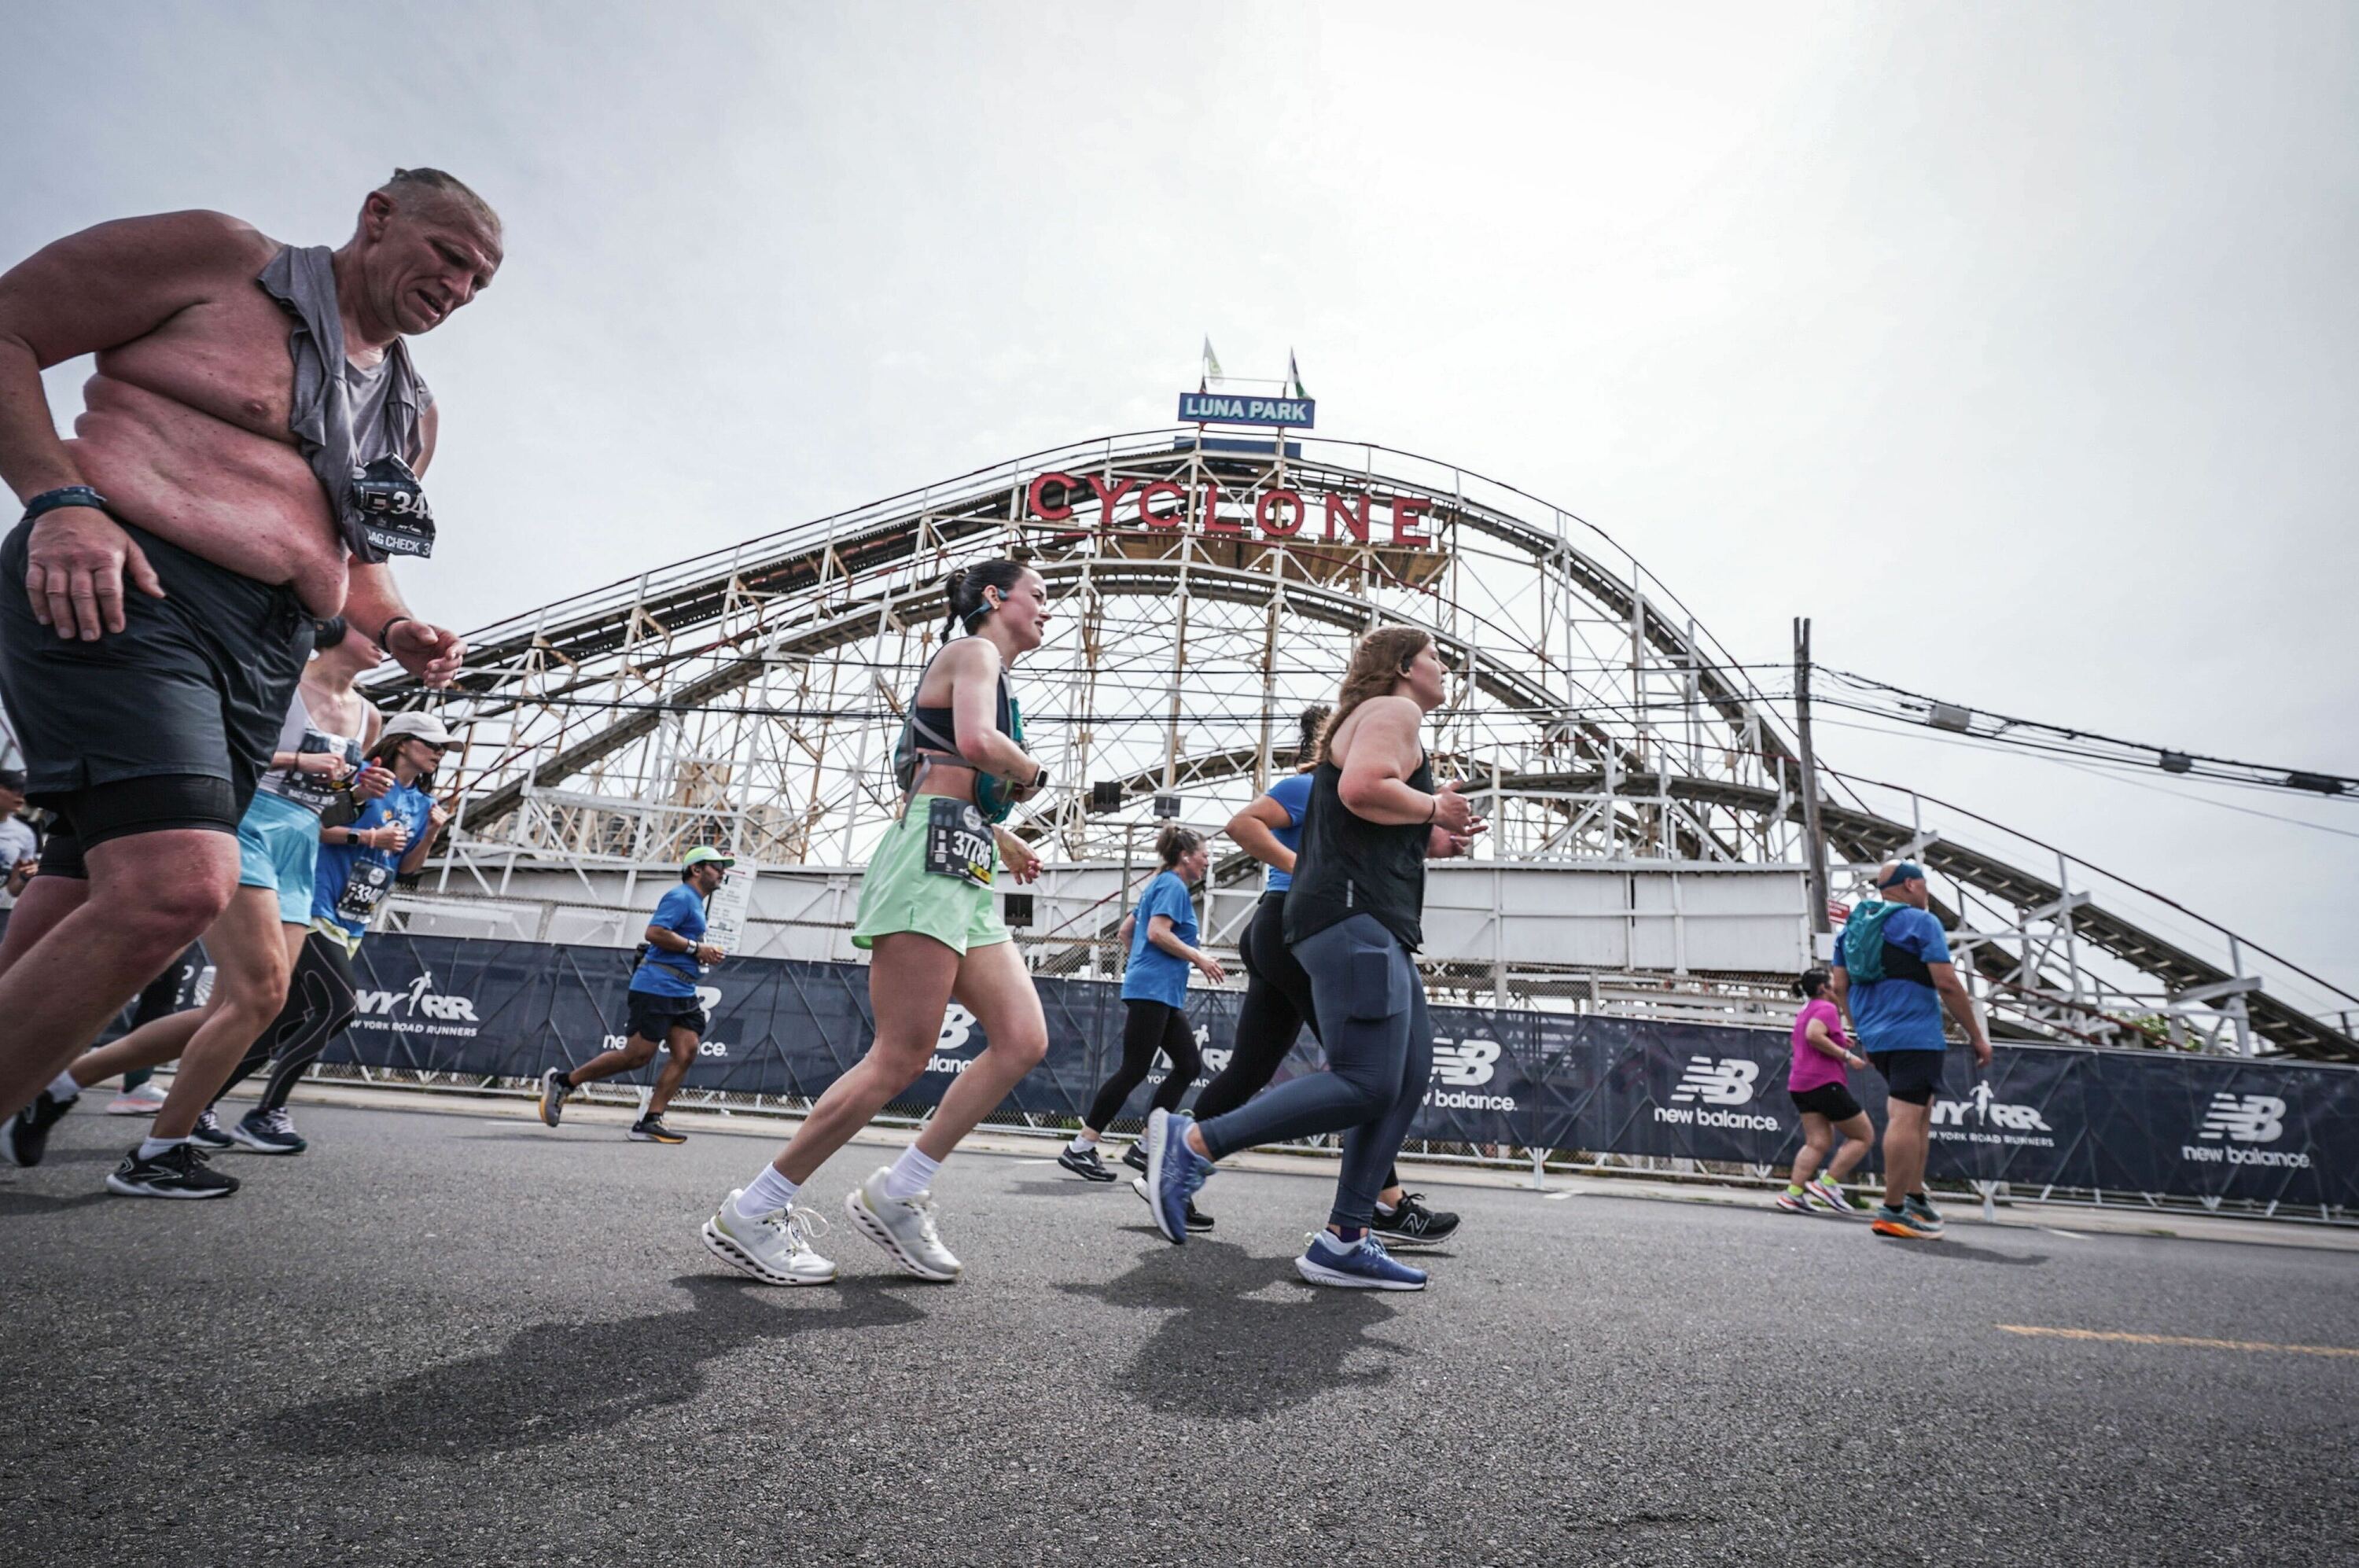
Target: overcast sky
2017,345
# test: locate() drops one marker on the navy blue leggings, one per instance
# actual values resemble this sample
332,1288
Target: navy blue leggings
1371,1007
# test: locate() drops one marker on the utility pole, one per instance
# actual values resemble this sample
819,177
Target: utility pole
1813,832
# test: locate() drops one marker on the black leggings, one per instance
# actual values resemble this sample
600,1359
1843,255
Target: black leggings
1276,1009
1151,1026
319,1003
161,999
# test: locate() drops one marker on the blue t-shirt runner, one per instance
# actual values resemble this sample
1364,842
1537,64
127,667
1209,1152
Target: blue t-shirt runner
1154,974
662,974
351,881
1902,1011
1294,794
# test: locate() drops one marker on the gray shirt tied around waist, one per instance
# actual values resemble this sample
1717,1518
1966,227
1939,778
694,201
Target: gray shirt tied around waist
343,418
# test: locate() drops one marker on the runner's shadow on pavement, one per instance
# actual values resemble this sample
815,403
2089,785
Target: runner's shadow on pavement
1229,1346
557,1382
1974,1254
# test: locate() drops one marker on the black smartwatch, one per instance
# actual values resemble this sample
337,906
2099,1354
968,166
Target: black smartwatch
63,497
1040,781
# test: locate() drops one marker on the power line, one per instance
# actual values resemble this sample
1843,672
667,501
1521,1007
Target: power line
1960,719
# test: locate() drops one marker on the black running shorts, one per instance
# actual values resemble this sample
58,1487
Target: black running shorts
194,689
653,1018
1832,1101
1912,1076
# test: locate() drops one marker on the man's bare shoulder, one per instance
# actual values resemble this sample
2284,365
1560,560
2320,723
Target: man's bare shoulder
192,241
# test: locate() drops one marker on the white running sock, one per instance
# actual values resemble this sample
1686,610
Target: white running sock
911,1174
768,1195
1385,1210
1083,1143
149,1147
63,1087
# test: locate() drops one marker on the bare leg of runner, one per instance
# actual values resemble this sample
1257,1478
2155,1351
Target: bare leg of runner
148,897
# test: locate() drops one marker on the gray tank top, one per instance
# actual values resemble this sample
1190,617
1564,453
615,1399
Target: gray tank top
343,419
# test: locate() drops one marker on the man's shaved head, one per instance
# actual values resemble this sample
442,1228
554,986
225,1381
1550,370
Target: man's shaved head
432,187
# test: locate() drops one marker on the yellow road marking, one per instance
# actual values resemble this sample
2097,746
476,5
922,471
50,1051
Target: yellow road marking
2176,1340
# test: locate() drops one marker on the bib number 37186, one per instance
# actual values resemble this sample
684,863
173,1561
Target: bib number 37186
958,844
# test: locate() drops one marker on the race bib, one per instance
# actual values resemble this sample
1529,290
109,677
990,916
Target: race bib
957,842
394,515
363,891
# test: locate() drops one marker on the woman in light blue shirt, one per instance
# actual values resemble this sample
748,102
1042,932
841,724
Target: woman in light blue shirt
1154,991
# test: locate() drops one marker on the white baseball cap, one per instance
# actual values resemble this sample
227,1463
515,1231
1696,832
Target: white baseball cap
417,724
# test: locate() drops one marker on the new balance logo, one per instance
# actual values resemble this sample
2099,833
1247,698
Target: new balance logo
1727,1081
2244,1118
1465,1063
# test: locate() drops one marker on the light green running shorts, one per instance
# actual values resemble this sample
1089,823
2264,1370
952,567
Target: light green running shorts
898,894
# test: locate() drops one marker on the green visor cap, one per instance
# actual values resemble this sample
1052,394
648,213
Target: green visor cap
703,853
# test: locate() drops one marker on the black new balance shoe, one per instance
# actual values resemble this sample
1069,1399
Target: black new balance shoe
1085,1164
178,1173
25,1137
208,1134
1136,1155
651,1130
1414,1225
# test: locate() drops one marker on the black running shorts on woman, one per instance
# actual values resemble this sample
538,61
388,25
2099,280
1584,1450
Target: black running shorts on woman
1832,1101
165,724
653,1018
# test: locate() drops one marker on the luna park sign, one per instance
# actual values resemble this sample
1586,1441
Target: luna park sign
1275,513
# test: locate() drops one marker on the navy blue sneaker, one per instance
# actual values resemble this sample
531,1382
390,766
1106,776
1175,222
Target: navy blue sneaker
1174,1172
1363,1265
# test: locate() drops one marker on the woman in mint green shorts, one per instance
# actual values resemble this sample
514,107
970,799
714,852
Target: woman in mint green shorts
926,918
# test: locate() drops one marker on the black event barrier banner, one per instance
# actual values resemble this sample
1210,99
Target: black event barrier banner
2120,1120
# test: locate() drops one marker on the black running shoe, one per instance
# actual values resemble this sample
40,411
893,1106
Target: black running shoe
1136,1155
25,1137
1414,1225
1198,1221
1085,1164
553,1091
208,1134
178,1173
651,1130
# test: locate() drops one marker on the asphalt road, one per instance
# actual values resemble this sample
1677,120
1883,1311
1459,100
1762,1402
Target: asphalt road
442,1339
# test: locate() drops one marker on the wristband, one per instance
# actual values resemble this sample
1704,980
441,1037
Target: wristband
63,497
386,630
1433,811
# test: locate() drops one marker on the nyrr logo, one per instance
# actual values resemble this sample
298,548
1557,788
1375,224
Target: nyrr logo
1726,1082
958,1033
2244,1118
1464,1065
1994,1121
2235,1119
450,1013
1983,1104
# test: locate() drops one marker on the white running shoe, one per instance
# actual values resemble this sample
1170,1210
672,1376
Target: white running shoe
775,1249
144,1101
904,1227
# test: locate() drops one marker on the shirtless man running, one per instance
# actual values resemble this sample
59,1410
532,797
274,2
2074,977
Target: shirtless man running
247,460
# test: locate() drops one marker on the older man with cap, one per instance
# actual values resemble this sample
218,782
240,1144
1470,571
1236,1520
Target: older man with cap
1893,975
664,1007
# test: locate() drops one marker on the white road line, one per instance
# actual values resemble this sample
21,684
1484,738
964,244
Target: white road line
2069,1235
1554,1197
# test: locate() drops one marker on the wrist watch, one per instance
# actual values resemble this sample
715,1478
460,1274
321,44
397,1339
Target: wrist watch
1039,781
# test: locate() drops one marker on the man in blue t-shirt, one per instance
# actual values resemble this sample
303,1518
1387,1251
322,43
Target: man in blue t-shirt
1892,974
664,1008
